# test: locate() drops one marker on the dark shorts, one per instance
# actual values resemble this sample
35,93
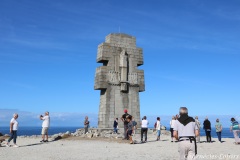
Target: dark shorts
171,129
129,133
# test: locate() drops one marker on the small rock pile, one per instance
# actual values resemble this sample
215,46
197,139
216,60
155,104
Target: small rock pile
101,133
3,138
58,136
90,134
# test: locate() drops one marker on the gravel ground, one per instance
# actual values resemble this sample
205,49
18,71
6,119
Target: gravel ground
76,148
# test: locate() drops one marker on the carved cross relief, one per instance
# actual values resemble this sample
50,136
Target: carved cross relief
123,77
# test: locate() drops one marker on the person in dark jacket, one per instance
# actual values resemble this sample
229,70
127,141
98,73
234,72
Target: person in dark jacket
207,128
115,125
125,122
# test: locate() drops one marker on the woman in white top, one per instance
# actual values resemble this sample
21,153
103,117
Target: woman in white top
172,126
144,128
13,130
158,128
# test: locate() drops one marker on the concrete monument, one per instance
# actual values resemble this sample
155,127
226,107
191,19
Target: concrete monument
119,79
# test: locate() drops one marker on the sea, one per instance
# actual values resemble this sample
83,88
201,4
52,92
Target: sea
225,133
28,131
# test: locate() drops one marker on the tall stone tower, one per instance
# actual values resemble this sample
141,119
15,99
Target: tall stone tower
119,79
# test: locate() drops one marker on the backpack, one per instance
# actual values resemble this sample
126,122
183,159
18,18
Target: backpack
134,123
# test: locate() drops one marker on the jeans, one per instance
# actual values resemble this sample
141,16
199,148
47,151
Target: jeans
125,131
144,131
115,129
219,135
13,136
208,135
158,133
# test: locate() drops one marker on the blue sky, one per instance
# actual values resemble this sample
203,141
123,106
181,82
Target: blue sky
191,53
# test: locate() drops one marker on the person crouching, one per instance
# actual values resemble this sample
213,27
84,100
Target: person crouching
130,128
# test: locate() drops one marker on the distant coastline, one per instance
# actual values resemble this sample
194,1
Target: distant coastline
30,130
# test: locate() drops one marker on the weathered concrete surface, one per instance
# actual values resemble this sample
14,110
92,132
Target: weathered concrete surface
119,79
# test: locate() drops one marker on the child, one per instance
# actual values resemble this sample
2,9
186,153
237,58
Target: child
115,125
130,129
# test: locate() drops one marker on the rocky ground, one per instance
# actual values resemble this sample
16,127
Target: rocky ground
105,145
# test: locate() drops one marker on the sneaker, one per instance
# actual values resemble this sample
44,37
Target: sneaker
42,141
7,145
16,146
46,141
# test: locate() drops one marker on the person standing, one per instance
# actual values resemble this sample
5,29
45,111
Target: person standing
218,127
115,125
144,129
207,128
86,124
134,125
125,122
198,124
235,128
130,129
158,128
172,126
185,130
13,130
45,126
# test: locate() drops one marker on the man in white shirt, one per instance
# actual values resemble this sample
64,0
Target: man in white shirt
185,130
45,126
13,130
